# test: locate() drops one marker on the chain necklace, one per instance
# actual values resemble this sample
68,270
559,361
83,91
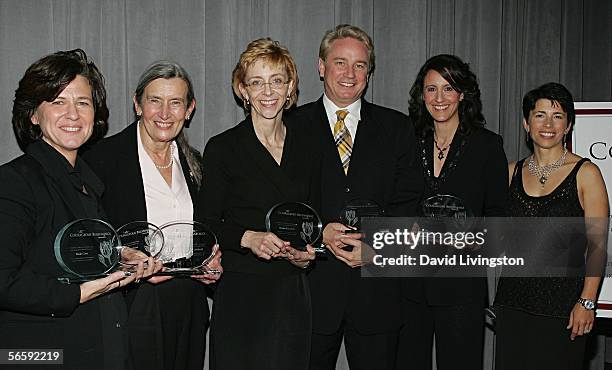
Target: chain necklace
544,172
440,150
169,164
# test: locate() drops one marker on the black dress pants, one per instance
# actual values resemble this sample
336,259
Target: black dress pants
459,333
167,325
363,351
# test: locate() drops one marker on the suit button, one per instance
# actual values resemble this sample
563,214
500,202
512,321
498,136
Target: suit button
347,190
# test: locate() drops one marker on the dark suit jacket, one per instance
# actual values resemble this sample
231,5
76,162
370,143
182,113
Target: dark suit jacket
242,182
476,170
37,198
383,169
115,161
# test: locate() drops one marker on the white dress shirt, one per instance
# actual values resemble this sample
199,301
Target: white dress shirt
166,203
350,121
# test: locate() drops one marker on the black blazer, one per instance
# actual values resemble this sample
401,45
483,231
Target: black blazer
37,198
242,181
476,170
383,169
115,161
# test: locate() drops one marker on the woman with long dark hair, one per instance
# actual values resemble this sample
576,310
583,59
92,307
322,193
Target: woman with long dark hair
462,159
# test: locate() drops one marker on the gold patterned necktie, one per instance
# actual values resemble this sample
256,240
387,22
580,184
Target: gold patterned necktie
343,139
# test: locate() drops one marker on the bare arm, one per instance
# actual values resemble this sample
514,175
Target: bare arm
594,200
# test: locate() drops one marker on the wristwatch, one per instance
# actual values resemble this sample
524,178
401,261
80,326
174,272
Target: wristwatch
587,303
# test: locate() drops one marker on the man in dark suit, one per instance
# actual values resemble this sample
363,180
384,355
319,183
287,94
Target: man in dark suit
368,153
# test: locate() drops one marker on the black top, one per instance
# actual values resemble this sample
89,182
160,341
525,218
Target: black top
473,171
550,296
40,192
476,171
242,181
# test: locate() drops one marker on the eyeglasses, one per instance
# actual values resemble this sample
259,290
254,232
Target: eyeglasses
257,84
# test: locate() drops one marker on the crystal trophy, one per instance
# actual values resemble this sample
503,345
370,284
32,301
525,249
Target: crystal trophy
87,249
187,249
296,223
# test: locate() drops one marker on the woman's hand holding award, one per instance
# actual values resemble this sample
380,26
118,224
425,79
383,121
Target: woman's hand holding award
296,223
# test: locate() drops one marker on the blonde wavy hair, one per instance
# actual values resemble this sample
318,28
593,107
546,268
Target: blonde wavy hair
271,52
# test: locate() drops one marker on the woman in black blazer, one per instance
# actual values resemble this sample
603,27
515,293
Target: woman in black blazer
261,315
59,105
459,157
151,173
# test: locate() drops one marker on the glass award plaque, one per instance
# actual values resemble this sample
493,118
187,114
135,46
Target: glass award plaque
296,223
187,249
355,209
87,249
446,206
142,236
448,211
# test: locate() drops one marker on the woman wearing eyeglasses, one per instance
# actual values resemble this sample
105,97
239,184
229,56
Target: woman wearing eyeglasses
261,316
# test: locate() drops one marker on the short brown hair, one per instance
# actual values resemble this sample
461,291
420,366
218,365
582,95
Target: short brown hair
45,80
343,31
271,52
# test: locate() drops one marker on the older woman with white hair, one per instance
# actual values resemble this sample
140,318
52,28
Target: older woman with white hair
151,173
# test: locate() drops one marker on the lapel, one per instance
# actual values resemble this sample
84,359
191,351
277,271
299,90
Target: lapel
127,172
51,163
128,169
187,173
267,166
365,144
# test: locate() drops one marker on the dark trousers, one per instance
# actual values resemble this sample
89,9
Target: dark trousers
364,352
167,325
533,342
261,322
459,333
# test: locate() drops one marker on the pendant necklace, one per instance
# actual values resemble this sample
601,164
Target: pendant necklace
440,150
544,172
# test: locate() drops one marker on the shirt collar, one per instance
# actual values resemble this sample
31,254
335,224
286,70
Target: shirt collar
58,167
331,109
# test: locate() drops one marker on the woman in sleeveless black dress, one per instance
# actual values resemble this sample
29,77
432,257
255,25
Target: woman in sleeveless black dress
541,321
